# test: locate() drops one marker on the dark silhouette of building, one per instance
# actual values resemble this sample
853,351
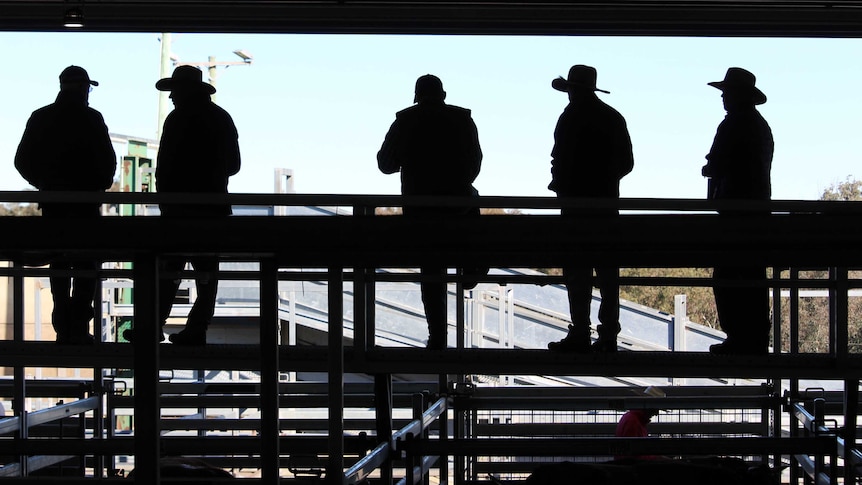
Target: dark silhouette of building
592,152
436,148
198,152
66,147
738,166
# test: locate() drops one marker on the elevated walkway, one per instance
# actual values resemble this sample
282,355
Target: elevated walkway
357,327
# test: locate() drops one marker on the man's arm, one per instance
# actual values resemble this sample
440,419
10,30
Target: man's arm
721,152
106,156
562,155
26,156
228,154
625,158
387,157
475,154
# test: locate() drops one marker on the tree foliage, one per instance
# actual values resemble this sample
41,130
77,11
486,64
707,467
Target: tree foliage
849,189
12,209
700,301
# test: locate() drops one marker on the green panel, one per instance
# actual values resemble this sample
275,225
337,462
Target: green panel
137,148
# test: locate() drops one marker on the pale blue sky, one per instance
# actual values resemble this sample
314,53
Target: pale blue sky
321,104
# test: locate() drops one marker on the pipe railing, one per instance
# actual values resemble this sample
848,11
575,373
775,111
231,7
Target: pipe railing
27,420
387,449
373,201
799,234
813,422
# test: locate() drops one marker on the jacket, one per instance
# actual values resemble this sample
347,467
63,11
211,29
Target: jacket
592,150
740,160
198,152
436,148
66,147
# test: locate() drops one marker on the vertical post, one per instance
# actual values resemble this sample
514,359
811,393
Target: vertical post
794,349
335,467
443,436
510,318
211,68
458,432
680,318
164,71
269,367
360,320
460,316
19,393
819,411
383,409
838,342
100,332
146,361
776,310
24,434
776,414
501,314
415,460
851,410
363,339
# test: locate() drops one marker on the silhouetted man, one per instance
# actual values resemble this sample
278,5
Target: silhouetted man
66,147
738,166
592,152
435,146
198,152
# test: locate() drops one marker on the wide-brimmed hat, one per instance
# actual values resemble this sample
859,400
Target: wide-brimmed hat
739,80
651,392
76,75
428,85
580,77
185,77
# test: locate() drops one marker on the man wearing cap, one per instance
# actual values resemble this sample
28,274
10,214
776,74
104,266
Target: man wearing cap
592,153
198,152
435,146
66,147
738,167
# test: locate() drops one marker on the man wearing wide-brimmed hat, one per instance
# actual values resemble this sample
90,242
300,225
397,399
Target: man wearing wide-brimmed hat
198,152
738,166
66,147
592,153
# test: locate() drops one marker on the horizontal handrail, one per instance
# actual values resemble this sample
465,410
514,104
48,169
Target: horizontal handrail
372,201
414,277
498,241
823,445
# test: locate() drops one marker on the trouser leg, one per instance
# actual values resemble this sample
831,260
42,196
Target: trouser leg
168,288
81,304
608,280
60,293
434,301
206,283
579,283
743,311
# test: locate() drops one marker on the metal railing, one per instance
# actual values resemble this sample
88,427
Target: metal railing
798,235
